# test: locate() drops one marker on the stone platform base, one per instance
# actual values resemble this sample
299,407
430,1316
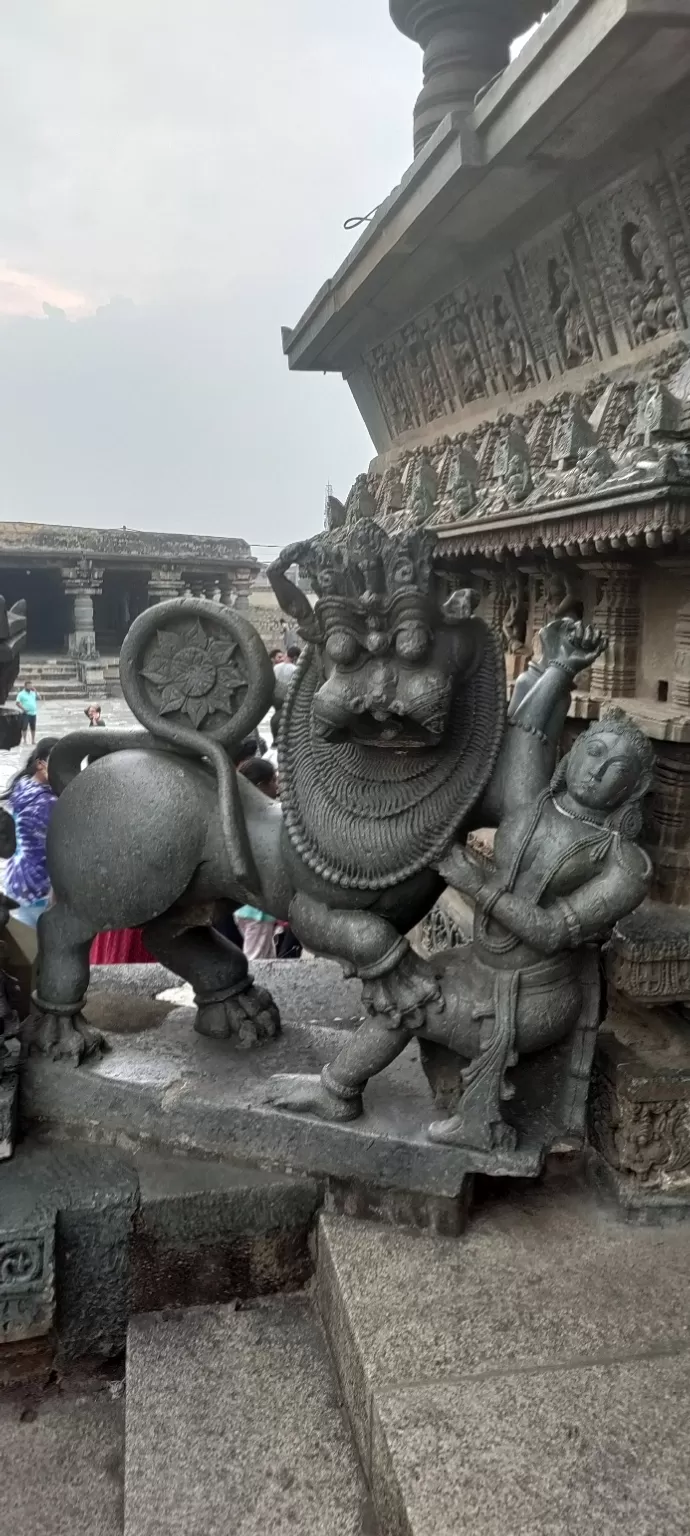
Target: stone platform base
162,1086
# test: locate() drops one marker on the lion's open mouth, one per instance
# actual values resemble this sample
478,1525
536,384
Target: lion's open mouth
386,732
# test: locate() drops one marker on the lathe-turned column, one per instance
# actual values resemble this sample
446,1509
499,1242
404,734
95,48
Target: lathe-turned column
618,614
164,582
83,582
242,583
466,43
680,687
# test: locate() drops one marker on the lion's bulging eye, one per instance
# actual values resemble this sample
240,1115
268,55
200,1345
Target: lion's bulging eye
412,642
342,648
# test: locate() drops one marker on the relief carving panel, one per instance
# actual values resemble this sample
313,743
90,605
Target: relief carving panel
614,276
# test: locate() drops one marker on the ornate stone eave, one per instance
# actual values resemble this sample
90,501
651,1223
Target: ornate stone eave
584,526
24,541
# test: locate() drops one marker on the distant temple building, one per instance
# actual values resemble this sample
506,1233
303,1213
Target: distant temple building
514,327
84,586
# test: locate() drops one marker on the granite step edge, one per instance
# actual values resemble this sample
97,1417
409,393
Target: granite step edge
235,1415
109,1234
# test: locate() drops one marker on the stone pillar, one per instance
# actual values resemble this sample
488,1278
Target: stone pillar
243,586
680,687
227,590
668,824
83,582
618,614
466,43
164,582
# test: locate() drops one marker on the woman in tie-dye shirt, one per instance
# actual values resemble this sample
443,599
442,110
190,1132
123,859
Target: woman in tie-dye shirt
31,801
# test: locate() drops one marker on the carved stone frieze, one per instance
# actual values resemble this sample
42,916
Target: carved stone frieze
616,456
612,277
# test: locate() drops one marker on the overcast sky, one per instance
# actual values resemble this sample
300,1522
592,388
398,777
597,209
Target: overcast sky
175,175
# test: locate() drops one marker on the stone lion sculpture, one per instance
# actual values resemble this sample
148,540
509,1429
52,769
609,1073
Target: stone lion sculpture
394,743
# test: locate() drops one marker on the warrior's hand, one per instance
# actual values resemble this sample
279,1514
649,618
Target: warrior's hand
460,871
569,644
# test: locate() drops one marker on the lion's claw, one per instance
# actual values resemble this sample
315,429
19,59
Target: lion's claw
247,1018
65,1037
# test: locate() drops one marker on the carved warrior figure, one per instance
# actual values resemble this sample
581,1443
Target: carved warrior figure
566,868
388,737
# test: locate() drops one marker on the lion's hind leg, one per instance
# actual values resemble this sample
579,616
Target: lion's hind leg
57,1027
229,1005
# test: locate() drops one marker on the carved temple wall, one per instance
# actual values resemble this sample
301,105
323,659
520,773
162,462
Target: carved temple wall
610,281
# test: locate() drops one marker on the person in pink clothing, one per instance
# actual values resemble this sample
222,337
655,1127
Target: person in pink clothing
258,928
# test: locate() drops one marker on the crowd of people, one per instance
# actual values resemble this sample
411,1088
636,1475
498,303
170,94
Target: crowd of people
30,799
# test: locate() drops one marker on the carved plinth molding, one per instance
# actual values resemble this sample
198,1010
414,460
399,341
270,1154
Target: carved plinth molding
27,1282
639,1109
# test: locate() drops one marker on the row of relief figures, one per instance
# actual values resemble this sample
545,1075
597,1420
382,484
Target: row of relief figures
617,434
612,277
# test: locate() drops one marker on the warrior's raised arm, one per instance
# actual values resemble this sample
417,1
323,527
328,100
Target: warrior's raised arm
537,714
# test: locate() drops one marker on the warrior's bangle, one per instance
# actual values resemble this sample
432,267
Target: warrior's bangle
487,898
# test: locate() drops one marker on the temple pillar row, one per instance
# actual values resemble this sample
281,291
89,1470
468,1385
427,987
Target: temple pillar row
227,588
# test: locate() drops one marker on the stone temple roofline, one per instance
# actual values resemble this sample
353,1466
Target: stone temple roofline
552,109
19,538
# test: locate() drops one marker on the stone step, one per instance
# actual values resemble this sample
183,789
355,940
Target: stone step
106,1233
234,1424
531,1377
61,1456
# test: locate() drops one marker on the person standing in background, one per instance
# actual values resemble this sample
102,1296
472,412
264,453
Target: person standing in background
27,702
257,928
94,715
283,673
31,801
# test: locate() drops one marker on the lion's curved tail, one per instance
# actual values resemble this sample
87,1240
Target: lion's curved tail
198,676
69,753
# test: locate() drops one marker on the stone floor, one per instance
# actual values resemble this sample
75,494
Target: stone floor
58,716
532,1377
